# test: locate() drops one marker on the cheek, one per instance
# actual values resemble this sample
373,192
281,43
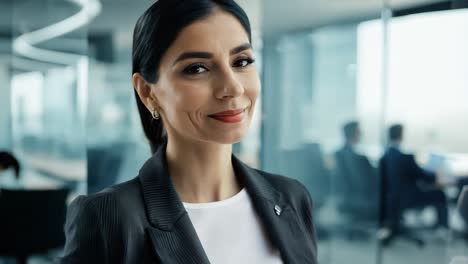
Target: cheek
186,97
252,86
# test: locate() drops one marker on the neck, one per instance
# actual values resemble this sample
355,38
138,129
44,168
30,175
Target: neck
201,171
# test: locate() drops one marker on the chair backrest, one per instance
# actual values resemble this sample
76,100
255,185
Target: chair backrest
31,220
463,204
306,165
104,163
357,185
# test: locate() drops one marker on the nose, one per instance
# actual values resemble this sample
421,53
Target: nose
229,85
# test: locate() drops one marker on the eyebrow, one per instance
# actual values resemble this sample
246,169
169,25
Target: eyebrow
241,48
207,55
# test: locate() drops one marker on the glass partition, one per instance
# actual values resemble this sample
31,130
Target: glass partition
330,95
48,94
5,61
426,91
310,94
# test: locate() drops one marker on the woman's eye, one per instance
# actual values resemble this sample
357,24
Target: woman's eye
244,62
195,69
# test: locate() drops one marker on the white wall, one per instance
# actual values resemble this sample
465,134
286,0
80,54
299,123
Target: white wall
428,78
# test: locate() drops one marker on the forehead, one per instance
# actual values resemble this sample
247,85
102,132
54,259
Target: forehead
219,31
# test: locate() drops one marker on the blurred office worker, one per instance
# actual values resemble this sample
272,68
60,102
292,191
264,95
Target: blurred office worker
193,201
357,179
404,179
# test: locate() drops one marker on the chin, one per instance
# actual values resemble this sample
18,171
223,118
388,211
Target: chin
228,138
231,139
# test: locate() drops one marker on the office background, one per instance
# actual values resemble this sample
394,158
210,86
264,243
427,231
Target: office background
67,109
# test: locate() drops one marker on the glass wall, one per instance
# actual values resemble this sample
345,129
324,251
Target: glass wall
116,146
5,61
44,85
310,94
331,93
425,91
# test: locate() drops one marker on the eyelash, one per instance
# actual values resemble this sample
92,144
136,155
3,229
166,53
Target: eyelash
247,59
193,68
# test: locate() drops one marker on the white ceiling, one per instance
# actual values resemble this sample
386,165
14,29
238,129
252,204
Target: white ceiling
273,16
291,15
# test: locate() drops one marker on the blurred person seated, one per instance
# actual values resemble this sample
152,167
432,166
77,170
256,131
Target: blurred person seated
356,179
461,183
463,205
7,160
403,179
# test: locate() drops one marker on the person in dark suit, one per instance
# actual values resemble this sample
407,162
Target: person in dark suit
357,178
463,205
193,201
403,179
7,161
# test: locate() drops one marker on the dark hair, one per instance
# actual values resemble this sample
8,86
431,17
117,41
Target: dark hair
395,132
155,31
7,160
350,129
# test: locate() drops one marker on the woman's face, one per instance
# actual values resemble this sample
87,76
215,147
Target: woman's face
208,86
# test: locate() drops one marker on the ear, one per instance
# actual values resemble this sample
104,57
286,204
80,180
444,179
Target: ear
143,88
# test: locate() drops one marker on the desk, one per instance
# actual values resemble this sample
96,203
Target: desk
29,179
66,170
452,167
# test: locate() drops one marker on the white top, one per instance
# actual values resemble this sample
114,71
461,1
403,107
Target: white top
230,231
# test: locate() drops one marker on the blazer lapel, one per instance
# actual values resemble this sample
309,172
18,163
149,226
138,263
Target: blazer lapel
172,235
179,245
279,218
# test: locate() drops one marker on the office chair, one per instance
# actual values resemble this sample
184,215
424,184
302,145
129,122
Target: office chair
356,185
462,207
306,165
104,163
400,231
463,204
31,222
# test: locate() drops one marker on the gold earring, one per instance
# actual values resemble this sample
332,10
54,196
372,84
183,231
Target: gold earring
155,114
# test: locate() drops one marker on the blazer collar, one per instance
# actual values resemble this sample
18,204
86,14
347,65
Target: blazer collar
163,204
173,235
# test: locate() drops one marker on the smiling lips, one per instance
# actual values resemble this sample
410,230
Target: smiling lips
230,116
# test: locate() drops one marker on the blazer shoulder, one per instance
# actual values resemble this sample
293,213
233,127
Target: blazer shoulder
108,201
117,190
94,224
290,188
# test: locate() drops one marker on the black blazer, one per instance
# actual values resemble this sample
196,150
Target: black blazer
402,174
401,178
144,221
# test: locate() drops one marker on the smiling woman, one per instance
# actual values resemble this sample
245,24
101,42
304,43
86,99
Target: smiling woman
193,201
